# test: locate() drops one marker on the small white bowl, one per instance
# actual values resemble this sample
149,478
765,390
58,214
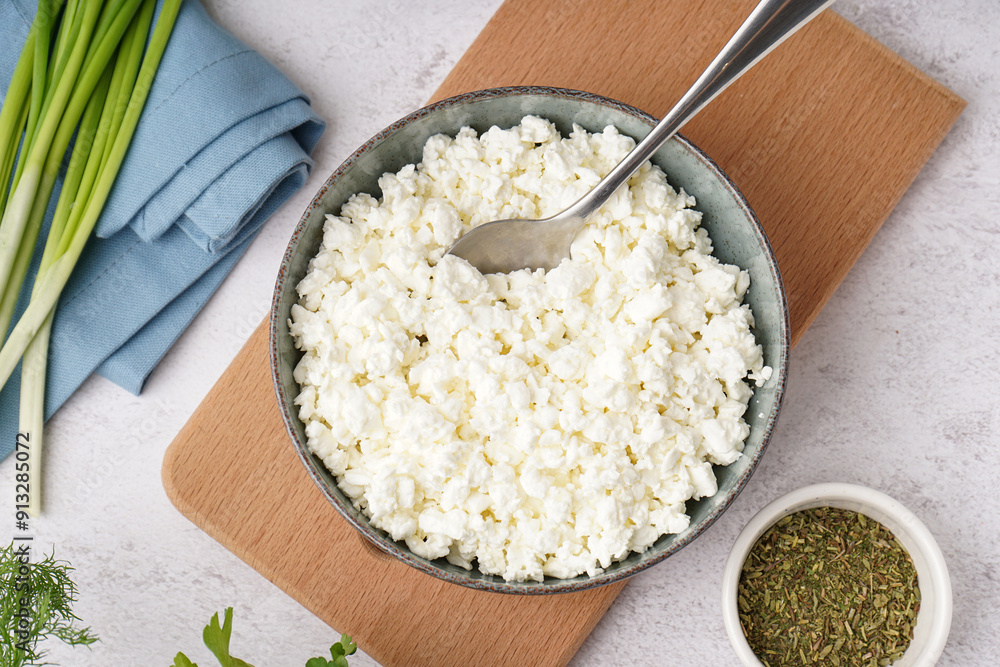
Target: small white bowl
934,617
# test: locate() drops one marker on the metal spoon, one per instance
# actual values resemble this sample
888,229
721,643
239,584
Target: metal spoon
503,246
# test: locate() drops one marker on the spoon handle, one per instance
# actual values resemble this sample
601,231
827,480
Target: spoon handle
770,23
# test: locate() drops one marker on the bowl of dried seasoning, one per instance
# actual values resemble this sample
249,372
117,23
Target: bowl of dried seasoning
836,574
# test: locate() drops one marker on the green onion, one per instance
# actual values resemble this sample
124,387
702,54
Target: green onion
14,115
38,140
92,83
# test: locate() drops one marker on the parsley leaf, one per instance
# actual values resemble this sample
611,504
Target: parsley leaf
181,660
339,651
217,637
217,640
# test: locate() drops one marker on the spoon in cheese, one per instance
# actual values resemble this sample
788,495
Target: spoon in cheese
503,246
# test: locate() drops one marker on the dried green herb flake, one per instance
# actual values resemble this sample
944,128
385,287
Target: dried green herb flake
828,585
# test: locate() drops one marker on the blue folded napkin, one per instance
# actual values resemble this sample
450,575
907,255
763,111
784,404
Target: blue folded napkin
223,141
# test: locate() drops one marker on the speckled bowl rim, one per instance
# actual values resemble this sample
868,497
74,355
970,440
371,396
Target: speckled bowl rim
550,585
932,571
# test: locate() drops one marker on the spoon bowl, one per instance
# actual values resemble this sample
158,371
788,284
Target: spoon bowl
503,246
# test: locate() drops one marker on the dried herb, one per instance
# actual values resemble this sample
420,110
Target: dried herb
828,586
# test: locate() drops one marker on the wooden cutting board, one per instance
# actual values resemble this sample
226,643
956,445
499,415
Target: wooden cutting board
823,137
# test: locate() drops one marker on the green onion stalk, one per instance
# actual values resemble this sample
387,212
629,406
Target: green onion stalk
91,81
45,142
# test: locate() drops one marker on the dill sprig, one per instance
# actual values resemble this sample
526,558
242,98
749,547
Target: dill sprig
36,600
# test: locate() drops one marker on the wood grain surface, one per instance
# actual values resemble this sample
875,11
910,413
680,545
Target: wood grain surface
823,137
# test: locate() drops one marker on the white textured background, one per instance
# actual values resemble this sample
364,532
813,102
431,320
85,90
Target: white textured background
895,386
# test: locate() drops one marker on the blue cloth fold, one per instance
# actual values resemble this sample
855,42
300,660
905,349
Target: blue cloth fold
224,140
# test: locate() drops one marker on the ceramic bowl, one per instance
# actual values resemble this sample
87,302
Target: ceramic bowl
737,236
934,617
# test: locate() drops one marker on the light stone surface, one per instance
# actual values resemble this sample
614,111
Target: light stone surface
893,387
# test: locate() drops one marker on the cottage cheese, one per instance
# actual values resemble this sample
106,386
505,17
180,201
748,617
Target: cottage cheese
532,424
